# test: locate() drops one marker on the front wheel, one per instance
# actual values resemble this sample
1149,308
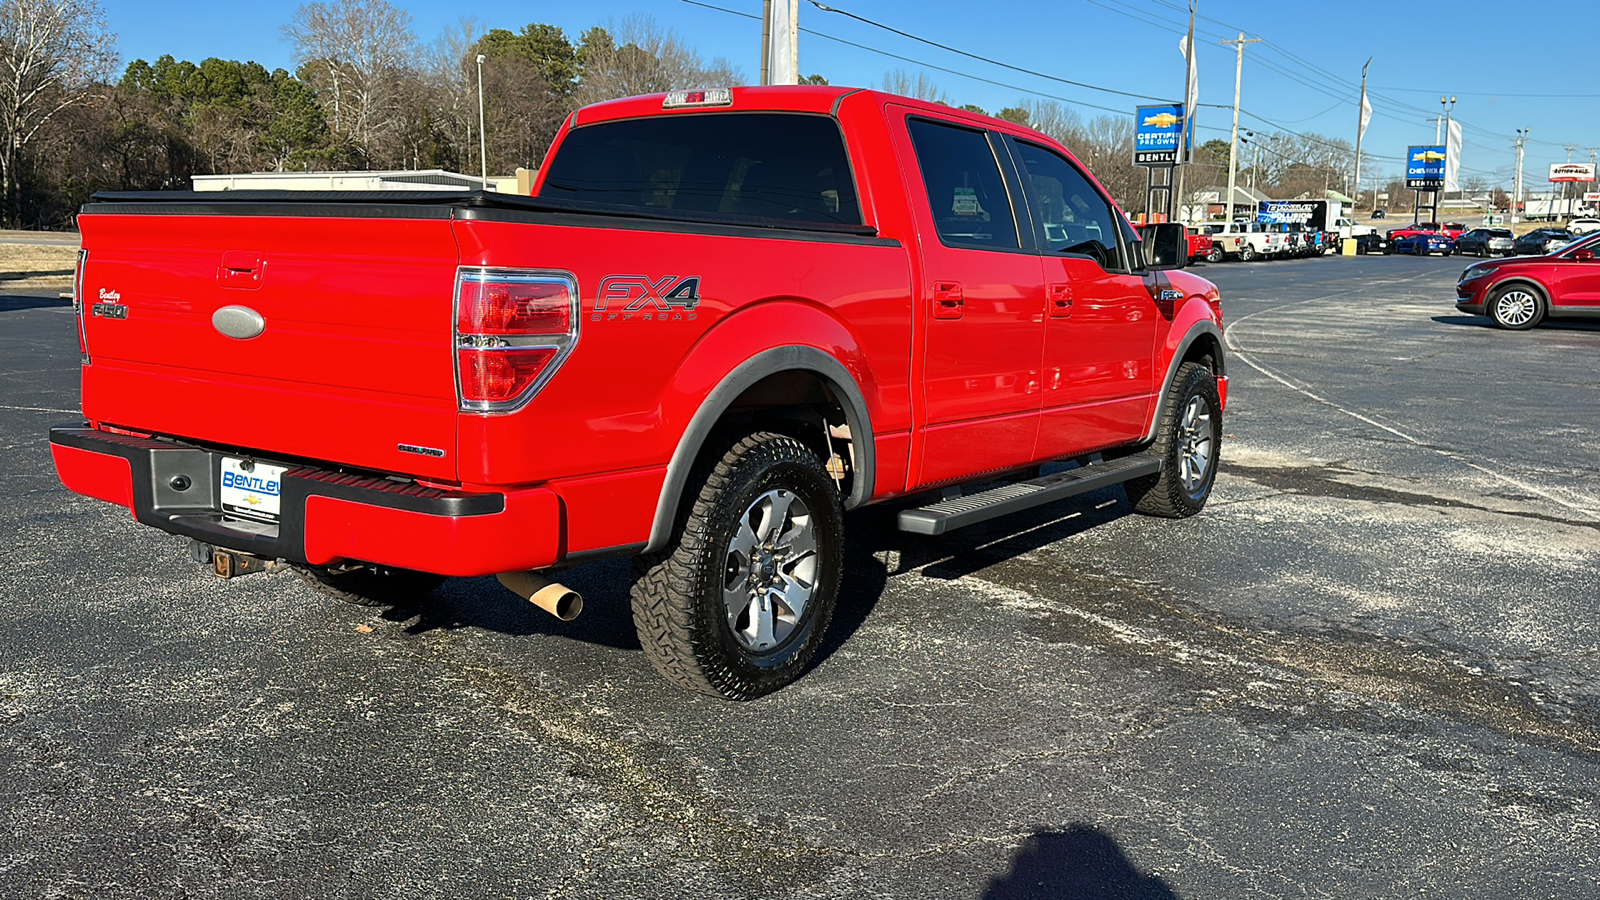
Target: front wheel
1516,307
1189,444
738,606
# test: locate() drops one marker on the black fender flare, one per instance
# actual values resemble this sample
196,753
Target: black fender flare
1202,327
742,378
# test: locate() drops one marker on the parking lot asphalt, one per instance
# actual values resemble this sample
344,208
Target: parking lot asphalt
1368,669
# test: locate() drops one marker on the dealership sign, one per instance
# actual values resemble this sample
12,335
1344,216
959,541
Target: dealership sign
1566,173
1591,198
1425,168
1158,134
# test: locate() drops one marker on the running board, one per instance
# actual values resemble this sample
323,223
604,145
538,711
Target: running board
959,512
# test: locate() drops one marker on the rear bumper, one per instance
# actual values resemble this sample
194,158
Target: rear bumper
325,516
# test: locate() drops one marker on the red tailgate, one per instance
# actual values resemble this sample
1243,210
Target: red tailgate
352,359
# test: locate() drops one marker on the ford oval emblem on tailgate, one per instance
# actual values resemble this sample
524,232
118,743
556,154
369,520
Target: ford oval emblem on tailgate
240,322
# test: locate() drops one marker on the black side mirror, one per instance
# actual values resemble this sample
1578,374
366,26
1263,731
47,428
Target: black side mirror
1166,246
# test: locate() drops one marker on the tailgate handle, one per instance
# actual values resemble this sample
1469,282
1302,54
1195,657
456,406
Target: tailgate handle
948,301
241,269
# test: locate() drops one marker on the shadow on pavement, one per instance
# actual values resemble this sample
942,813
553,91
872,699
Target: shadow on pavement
1546,325
16,302
1077,862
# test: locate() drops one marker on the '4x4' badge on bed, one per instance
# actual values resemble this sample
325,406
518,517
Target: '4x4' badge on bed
647,299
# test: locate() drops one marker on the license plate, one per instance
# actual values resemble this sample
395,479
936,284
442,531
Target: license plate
250,488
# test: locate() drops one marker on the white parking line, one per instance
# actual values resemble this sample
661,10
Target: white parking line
1584,505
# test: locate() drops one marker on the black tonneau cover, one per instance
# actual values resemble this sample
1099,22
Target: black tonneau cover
410,205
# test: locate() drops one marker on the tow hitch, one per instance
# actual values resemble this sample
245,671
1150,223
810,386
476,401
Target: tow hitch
229,563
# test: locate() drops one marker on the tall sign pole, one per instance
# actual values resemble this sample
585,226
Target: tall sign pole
1516,185
1363,117
1184,150
1233,144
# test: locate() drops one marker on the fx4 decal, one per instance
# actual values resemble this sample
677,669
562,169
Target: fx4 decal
647,299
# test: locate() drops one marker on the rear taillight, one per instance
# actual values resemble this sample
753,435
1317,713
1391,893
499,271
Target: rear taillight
513,329
78,307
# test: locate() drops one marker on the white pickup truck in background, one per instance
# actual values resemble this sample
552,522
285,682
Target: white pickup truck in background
1246,241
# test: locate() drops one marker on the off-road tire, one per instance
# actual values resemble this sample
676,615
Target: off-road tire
380,586
681,597
1167,494
1516,307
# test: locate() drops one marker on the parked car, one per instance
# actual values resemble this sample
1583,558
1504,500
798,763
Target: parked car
1584,226
1487,242
1400,231
1520,292
1543,240
1425,243
1453,229
1371,243
1379,213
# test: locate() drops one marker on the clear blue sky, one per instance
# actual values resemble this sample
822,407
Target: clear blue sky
1508,71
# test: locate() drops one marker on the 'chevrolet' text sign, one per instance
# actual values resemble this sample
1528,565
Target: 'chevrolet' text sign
1425,168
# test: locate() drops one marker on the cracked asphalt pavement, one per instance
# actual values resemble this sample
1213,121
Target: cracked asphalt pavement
1368,669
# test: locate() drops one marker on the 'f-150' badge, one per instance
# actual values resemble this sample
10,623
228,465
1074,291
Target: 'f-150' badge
647,299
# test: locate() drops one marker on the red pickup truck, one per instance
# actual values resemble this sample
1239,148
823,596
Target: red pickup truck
724,318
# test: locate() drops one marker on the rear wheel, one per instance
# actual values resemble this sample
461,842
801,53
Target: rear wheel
1246,253
1189,444
1516,307
739,605
1214,255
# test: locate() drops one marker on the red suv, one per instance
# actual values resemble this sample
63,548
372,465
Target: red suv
1521,291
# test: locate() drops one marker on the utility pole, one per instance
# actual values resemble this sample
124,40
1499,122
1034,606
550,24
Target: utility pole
1233,144
780,42
1362,115
1184,129
1516,186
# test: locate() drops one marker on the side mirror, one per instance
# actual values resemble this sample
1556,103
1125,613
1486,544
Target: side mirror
1166,246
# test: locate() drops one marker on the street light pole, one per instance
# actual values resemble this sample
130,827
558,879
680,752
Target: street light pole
1361,130
1516,186
483,139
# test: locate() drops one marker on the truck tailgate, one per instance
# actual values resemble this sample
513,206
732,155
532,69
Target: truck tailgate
352,359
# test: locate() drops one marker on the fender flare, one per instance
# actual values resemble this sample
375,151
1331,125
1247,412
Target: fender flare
742,378
1202,327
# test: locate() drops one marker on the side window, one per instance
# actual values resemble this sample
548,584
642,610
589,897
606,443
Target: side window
965,190
1073,215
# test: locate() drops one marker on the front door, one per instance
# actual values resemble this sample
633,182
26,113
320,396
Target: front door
1099,379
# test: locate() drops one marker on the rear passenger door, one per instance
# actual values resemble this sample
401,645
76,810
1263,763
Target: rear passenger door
1102,314
981,302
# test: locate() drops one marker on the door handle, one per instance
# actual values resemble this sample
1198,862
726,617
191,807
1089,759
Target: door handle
1059,297
948,301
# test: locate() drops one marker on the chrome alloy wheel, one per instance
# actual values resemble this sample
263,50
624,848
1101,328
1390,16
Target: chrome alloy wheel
1194,444
770,571
1516,307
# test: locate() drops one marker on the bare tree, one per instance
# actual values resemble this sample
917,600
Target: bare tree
51,51
921,87
641,57
361,48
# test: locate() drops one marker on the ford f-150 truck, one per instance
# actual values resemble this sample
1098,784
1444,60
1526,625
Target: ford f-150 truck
724,318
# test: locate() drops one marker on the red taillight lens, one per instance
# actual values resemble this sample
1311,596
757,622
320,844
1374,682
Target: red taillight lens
500,376
514,328
514,307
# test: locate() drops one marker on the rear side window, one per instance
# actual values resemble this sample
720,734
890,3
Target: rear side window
965,189
783,166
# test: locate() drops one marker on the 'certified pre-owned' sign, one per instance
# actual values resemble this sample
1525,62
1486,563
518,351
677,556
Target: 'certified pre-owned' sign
1157,134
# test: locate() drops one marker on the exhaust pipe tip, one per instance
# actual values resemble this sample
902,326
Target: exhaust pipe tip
553,597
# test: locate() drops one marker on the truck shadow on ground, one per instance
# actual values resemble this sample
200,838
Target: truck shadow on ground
19,302
875,551
1079,861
